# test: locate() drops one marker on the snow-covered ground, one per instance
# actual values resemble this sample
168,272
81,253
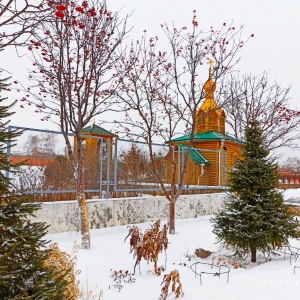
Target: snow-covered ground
274,279
292,196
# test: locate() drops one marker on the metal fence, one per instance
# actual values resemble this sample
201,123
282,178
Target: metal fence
122,169
39,151
133,169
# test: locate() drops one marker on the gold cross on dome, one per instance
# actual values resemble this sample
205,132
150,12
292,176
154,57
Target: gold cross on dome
210,62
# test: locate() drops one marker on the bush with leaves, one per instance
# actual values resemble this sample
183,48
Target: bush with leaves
176,285
149,244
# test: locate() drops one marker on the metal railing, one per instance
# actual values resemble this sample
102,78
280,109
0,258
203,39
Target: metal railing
123,168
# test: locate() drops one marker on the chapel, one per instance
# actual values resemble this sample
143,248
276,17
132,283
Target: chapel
213,151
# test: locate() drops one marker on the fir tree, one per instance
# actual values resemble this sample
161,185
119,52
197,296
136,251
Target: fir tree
5,138
23,272
255,217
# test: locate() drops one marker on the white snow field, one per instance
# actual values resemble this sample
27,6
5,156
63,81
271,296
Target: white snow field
274,279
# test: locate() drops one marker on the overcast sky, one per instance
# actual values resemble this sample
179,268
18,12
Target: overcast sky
275,24
275,47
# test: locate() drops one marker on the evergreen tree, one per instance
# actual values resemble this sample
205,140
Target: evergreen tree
23,272
5,138
254,218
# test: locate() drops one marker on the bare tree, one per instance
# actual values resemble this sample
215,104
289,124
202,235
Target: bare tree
19,18
255,97
73,54
59,175
41,145
133,167
162,90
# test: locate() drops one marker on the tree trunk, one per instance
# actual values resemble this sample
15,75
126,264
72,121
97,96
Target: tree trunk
172,217
253,254
84,219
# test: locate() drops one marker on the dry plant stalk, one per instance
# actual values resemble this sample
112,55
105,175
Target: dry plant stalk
224,260
176,285
149,244
121,276
295,210
64,262
90,296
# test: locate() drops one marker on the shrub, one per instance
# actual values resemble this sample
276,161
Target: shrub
149,244
176,285
63,263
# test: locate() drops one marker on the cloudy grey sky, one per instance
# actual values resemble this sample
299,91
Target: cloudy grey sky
275,47
275,23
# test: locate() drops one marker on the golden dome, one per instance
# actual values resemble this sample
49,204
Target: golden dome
209,86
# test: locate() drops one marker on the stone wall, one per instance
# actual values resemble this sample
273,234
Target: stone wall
63,216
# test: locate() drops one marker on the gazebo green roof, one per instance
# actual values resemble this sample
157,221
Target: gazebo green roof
195,155
207,136
97,130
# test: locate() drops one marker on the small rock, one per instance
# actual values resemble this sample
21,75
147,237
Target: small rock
202,253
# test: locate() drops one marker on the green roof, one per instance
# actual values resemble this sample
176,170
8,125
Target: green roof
97,130
195,155
207,136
